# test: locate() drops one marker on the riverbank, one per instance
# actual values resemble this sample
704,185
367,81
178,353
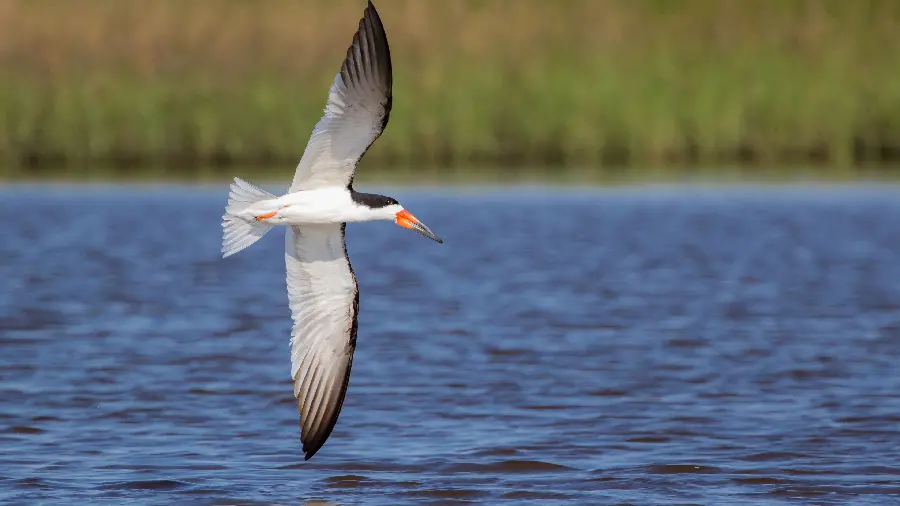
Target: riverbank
123,88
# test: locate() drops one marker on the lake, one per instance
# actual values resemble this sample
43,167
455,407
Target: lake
658,345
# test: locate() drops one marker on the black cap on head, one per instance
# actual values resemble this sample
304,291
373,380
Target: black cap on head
372,200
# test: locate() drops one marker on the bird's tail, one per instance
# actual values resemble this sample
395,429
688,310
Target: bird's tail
238,232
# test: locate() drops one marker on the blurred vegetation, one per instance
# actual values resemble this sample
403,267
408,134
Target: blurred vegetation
119,87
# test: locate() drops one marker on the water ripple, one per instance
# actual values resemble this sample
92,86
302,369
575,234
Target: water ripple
656,346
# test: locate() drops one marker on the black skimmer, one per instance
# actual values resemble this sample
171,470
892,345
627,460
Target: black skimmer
322,290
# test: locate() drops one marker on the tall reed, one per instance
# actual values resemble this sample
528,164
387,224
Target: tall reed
602,84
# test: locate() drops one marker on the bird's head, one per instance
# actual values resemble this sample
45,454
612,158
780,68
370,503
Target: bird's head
387,208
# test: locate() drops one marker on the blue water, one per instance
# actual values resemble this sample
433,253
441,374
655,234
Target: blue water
643,346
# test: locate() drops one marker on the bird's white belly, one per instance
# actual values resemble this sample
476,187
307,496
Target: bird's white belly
312,207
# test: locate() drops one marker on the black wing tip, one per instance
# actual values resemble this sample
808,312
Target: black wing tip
371,27
371,14
312,446
370,18
319,434
376,62
310,450
371,7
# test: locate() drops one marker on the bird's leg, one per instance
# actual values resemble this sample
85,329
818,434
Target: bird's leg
266,216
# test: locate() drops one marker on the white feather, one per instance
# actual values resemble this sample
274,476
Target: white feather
321,294
352,122
239,230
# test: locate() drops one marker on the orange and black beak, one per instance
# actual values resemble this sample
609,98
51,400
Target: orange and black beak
406,220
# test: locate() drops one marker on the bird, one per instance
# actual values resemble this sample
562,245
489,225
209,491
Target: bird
322,291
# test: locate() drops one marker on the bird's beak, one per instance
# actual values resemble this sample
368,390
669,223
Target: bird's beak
406,220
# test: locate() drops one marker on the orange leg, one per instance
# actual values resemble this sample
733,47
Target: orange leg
268,215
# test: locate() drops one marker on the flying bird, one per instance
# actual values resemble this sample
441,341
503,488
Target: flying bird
322,289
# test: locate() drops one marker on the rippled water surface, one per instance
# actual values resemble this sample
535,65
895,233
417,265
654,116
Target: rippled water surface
659,346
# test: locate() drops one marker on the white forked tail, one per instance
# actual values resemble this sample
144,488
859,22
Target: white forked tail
237,232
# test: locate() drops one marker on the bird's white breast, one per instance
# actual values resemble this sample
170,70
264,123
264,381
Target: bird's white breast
327,205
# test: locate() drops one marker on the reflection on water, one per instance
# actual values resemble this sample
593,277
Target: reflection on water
670,345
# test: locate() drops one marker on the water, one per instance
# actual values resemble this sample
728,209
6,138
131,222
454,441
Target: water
661,346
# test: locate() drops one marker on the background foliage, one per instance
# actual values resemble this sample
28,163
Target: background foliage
190,87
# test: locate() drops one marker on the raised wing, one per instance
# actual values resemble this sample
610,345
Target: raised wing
324,302
358,108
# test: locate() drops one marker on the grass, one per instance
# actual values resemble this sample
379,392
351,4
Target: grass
175,88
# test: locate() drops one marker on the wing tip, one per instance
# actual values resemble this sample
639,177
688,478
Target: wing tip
377,50
318,436
311,449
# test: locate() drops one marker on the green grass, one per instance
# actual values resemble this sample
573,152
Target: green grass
610,86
